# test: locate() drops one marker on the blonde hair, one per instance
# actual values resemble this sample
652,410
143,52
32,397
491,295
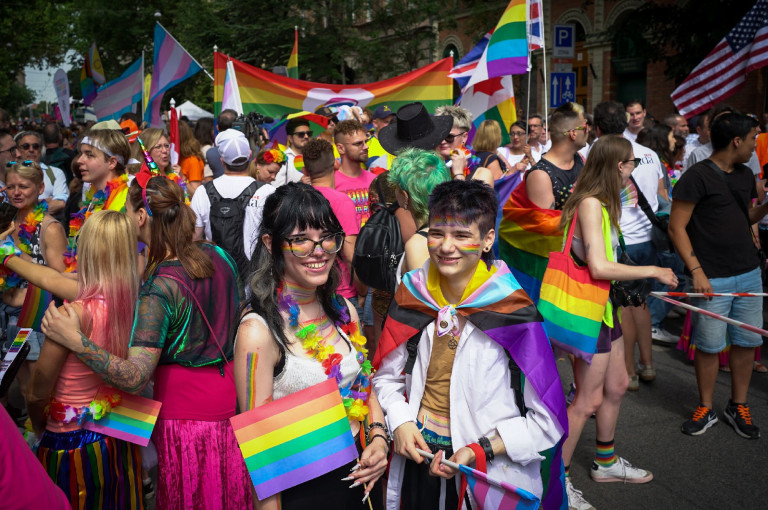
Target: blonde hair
487,137
600,178
113,141
108,276
32,172
150,137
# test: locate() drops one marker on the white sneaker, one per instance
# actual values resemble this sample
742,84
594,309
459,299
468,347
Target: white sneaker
575,500
663,336
620,471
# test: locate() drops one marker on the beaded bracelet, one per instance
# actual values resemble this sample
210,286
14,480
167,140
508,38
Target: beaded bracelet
377,425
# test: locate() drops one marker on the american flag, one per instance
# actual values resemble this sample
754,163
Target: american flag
535,25
724,71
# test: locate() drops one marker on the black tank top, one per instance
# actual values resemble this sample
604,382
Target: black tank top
562,180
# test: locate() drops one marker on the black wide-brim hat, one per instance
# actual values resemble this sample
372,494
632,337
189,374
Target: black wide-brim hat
415,127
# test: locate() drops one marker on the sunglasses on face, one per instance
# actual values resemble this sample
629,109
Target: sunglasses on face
25,163
303,134
27,146
451,137
634,161
333,119
302,247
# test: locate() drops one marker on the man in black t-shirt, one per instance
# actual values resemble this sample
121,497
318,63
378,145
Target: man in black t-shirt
710,225
561,165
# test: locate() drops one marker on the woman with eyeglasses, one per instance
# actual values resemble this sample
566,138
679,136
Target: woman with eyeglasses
297,332
517,152
595,206
39,238
182,336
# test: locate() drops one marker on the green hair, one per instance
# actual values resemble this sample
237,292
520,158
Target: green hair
418,172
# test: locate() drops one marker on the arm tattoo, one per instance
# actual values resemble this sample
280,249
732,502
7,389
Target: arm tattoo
130,375
552,205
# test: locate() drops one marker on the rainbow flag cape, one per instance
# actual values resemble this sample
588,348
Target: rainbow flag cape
502,310
492,494
527,235
507,50
293,60
35,304
295,439
131,420
274,95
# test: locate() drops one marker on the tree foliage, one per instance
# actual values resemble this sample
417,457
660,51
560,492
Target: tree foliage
681,34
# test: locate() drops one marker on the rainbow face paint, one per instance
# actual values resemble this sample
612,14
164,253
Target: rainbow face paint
468,248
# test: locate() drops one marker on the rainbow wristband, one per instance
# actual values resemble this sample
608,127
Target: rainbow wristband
5,260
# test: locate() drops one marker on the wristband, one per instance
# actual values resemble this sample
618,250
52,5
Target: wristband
485,443
386,441
694,269
5,260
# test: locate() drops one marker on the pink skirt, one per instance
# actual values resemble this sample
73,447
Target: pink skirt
200,466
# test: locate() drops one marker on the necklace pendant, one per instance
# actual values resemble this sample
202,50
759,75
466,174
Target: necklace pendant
443,324
453,343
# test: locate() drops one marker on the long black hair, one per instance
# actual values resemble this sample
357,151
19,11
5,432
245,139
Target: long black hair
292,205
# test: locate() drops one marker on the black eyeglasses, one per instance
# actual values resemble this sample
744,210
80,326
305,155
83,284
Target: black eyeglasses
303,134
26,162
635,161
302,247
9,149
27,146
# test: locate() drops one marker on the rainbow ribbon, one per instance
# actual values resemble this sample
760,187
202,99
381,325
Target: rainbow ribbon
732,322
709,294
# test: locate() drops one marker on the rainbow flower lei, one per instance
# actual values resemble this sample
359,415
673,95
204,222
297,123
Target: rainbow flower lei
8,279
354,395
94,201
27,229
96,410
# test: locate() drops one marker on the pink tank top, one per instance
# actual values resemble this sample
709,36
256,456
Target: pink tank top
77,384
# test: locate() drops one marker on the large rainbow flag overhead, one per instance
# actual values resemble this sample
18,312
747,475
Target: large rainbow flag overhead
527,235
274,95
295,439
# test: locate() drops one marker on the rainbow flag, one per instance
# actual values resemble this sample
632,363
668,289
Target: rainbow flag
507,50
131,420
274,95
35,304
527,235
13,351
293,60
492,494
295,439
91,75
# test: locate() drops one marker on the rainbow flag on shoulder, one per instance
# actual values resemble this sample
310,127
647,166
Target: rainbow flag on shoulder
527,235
295,439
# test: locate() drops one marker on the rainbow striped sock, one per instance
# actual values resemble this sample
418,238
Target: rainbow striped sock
604,454
567,471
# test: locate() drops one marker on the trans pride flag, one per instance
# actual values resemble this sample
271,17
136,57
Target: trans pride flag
118,96
491,494
295,439
172,65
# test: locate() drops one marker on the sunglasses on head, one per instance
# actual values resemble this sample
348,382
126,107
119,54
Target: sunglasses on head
26,162
27,146
302,134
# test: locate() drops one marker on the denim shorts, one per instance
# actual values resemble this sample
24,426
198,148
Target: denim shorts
709,333
366,313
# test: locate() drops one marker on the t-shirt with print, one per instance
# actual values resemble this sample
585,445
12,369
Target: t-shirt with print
356,188
228,186
562,180
344,210
718,229
635,225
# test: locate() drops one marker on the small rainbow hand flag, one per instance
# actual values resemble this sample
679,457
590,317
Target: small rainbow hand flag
131,420
298,163
295,439
35,304
13,351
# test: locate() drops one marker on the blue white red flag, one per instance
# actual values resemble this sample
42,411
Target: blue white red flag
535,25
172,65
463,70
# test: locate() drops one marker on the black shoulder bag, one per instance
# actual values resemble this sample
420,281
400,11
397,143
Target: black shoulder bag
660,229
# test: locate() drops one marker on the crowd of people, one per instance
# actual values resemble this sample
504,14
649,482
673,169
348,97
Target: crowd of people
241,274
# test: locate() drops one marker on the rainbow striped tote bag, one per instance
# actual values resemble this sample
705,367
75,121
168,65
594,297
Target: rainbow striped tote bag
572,302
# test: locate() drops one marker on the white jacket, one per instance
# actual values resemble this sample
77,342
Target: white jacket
481,402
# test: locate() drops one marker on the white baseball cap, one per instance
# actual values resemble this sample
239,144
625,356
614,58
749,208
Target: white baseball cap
233,147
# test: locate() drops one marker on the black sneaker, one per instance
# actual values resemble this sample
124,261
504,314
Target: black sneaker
148,489
702,419
741,420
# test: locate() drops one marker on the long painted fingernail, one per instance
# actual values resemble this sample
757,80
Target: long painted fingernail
355,468
347,479
354,485
367,495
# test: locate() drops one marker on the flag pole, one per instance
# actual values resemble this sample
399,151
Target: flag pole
188,53
143,79
544,59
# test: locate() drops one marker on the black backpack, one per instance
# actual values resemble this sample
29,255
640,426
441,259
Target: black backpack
378,249
227,217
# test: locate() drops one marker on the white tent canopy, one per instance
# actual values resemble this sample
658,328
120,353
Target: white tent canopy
192,111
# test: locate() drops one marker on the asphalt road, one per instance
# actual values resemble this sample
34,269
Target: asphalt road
716,470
